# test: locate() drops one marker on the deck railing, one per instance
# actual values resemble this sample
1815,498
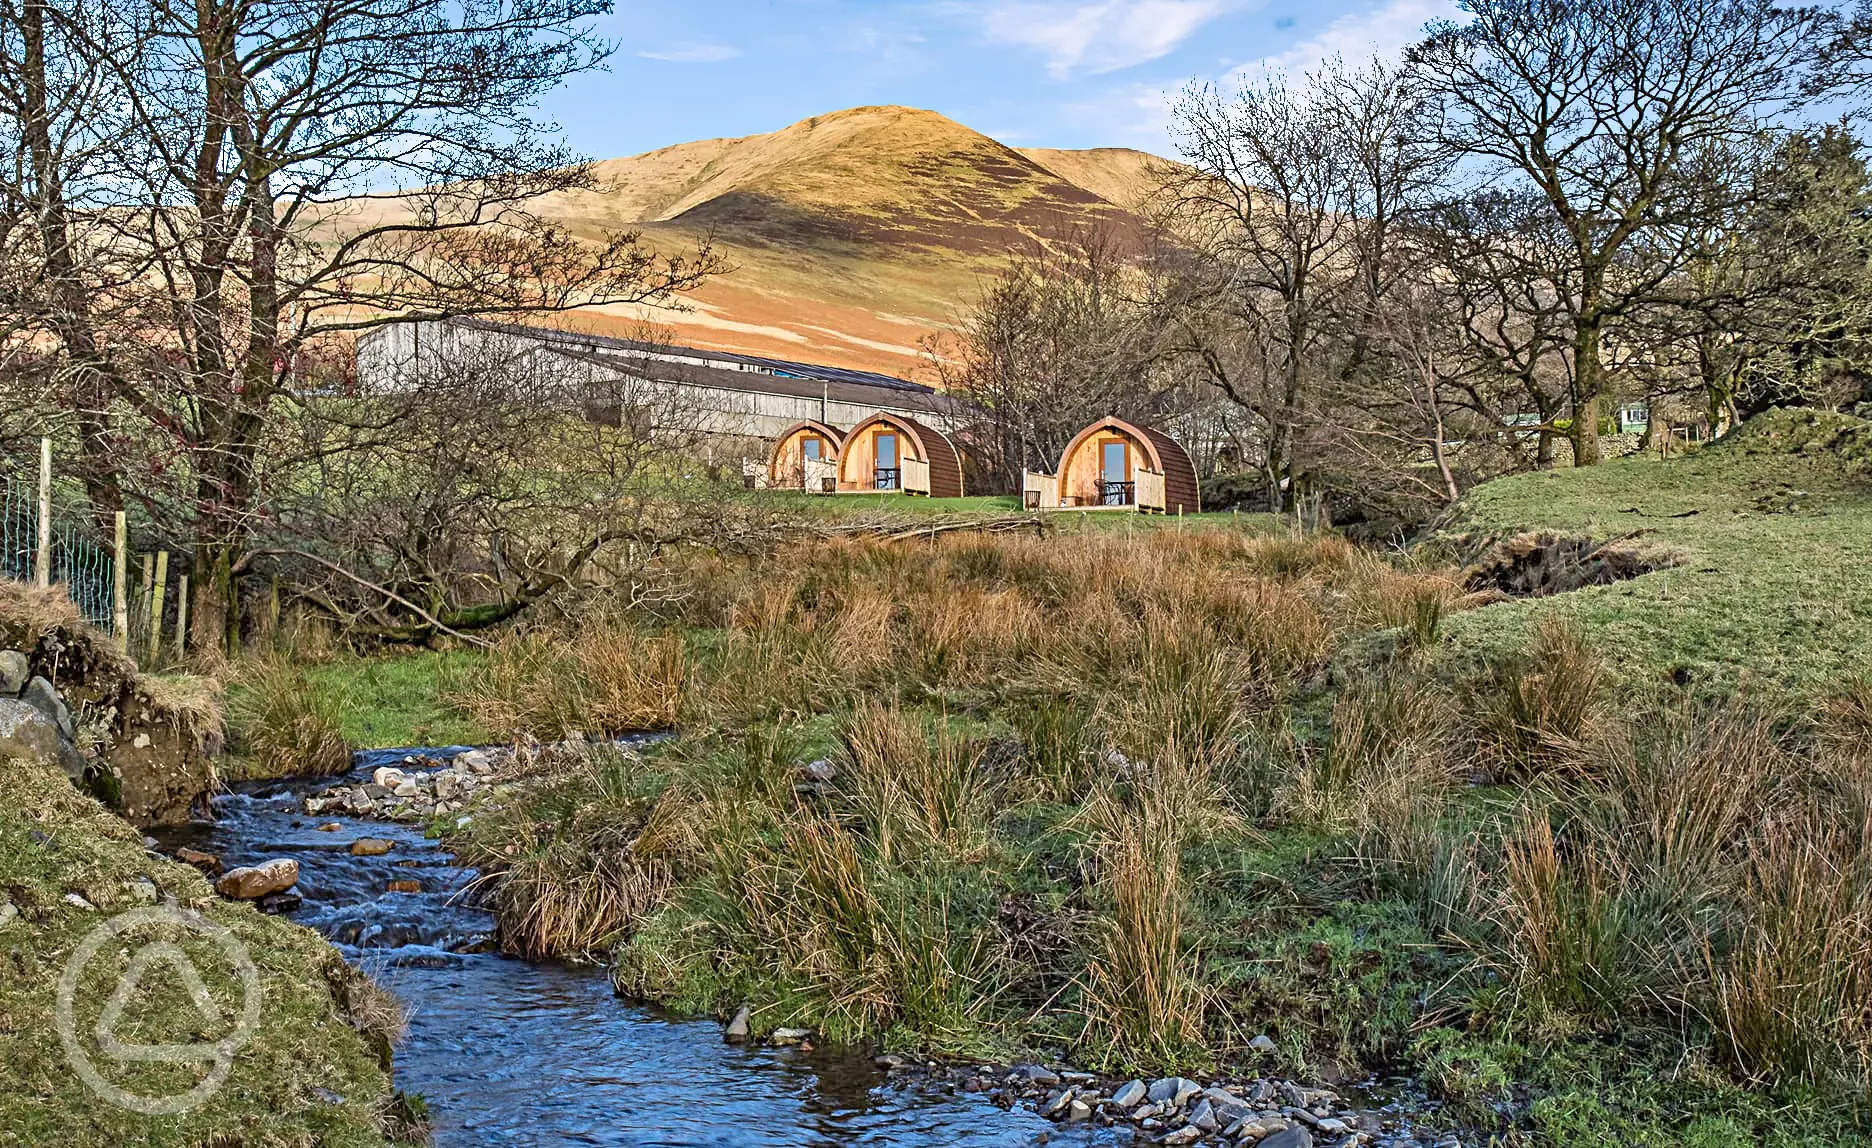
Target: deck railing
1117,493
1039,491
819,475
1150,491
886,478
915,476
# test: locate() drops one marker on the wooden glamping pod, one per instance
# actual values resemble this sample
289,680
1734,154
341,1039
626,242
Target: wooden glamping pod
805,457
893,452
1115,465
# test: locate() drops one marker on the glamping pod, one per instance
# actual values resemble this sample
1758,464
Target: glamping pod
1113,464
805,457
894,452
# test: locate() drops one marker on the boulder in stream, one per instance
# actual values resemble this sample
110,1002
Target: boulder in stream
252,882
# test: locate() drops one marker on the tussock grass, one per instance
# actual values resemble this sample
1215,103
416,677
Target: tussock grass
282,725
613,679
1119,794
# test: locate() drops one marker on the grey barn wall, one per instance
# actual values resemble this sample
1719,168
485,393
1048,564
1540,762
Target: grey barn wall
390,357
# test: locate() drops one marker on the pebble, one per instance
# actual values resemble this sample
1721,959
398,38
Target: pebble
8,911
78,901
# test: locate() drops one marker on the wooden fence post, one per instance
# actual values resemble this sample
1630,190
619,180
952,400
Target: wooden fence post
181,617
156,605
120,583
42,562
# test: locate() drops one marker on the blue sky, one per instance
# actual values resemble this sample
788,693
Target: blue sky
1032,73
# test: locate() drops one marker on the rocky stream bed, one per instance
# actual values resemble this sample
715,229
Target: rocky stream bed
510,1053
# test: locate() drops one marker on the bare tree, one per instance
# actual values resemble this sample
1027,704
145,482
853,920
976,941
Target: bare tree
1606,109
304,170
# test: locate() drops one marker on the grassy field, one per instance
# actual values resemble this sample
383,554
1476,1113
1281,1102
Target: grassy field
316,1070
1771,533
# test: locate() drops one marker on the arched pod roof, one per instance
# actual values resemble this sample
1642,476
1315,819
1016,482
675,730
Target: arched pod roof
931,445
831,434
1164,455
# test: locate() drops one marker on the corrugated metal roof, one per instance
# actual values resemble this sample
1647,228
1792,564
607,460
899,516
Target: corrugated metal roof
753,382
758,363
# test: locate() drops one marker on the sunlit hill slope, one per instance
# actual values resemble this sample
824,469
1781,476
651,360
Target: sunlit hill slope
852,235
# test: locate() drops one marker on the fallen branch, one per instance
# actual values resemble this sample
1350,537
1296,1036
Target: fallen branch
386,592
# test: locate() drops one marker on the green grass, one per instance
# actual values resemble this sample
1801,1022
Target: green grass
1771,590
399,700
316,1071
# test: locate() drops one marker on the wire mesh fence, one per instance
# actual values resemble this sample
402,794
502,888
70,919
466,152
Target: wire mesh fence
81,562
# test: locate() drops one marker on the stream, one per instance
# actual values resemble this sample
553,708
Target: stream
511,1053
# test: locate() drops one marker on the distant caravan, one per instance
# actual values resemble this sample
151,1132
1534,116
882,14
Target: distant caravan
1116,465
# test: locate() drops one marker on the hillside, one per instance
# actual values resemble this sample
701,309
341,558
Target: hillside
1764,533
853,235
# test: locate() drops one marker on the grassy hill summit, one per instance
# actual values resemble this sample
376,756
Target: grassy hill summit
853,234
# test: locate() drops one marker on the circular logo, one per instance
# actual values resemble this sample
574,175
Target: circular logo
158,958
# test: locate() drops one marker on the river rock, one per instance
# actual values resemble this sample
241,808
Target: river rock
782,1037
13,672
207,862
1295,1137
388,777
403,885
1078,1111
1035,1074
1228,1107
28,732
1263,1043
738,1027
1188,1134
1173,1090
819,770
252,882
371,847
8,912
1130,1095
280,904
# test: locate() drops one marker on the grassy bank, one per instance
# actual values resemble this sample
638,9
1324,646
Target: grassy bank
316,1069
1767,531
1112,797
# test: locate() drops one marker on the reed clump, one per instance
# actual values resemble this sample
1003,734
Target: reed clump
282,726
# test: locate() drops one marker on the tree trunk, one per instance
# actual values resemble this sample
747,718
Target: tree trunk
1588,381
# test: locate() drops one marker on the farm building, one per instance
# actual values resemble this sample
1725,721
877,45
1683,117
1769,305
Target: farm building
1117,465
805,457
894,452
655,387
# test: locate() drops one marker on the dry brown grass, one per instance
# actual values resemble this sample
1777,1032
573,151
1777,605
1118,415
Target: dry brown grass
1539,713
610,679
282,726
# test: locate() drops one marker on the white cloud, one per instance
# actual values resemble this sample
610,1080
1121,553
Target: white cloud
1101,35
694,54
1384,31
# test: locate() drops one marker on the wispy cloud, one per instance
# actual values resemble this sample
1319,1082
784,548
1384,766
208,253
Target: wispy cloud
1098,36
693,54
1384,31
